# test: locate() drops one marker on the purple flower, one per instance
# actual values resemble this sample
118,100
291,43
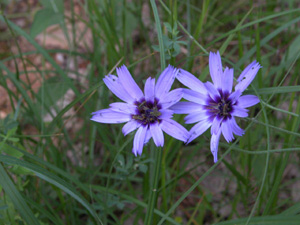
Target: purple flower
149,113
214,104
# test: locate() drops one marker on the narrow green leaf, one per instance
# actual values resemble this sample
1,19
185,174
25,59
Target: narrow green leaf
239,176
42,51
53,179
265,40
55,5
270,17
131,199
265,220
159,35
56,220
230,37
275,90
17,199
43,19
293,210
69,106
54,90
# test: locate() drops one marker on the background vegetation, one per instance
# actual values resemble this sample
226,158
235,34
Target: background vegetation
58,167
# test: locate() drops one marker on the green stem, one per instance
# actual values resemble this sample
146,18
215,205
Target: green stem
158,154
153,191
159,35
163,181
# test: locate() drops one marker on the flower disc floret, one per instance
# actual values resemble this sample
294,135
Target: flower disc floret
221,107
147,112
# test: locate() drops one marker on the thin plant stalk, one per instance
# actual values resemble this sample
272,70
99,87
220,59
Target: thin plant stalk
158,154
153,191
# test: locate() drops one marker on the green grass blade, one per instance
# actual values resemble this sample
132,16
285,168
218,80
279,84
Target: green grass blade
184,30
275,90
293,210
53,179
131,199
19,31
230,37
266,39
267,161
17,199
80,98
270,17
159,35
265,220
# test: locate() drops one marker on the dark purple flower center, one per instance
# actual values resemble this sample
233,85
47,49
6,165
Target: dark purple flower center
147,112
224,108
220,106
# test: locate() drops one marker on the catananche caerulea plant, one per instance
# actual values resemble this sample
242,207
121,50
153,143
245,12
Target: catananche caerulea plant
215,104
148,112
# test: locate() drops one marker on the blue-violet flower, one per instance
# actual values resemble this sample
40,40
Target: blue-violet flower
214,104
149,113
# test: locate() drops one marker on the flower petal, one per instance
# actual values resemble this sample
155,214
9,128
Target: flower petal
148,136
149,89
247,76
130,126
157,135
212,91
138,142
186,107
234,96
165,81
214,143
239,112
128,83
113,83
191,81
227,80
227,131
174,129
199,129
171,98
123,107
247,101
165,114
245,71
194,96
215,69
216,124
196,117
109,116
235,128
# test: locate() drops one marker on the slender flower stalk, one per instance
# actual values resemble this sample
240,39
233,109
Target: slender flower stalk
148,112
215,104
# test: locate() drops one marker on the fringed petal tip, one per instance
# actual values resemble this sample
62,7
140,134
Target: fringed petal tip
215,155
214,144
215,69
247,76
135,153
246,101
157,135
139,140
165,81
129,83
